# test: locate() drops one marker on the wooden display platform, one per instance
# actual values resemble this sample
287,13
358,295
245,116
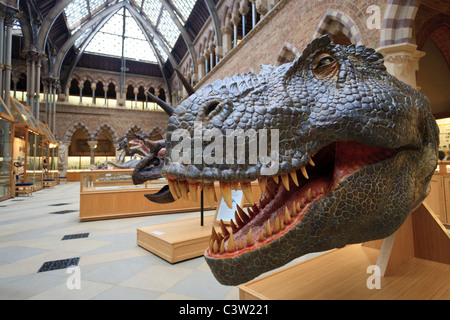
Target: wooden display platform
177,241
414,264
123,203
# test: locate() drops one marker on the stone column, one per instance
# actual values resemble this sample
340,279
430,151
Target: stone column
63,155
9,22
235,18
93,87
105,89
92,146
402,61
227,43
135,91
2,48
37,88
201,68
81,86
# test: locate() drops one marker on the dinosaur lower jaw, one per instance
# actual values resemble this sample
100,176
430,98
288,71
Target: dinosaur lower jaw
288,198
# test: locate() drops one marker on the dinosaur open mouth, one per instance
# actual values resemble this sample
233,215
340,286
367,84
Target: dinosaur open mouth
287,198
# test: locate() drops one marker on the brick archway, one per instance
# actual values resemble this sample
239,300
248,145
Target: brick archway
398,22
74,127
334,22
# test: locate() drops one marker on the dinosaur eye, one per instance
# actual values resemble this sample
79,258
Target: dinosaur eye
325,61
324,66
211,107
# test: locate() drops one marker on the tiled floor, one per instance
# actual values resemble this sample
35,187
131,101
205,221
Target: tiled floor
110,265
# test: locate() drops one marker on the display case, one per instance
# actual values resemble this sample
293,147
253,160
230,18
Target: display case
49,155
28,138
6,152
107,194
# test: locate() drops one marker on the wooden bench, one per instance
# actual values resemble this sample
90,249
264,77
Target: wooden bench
48,183
63,179
24,187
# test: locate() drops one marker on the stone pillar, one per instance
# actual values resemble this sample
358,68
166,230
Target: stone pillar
201,68
227,41
105,89
92,146
46,92
81,86
93,87
63,155
402,61
135,91
2,48
37,88
235,18
9,22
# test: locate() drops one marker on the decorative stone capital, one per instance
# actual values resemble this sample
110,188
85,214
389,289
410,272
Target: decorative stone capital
92,144
402,61
226,30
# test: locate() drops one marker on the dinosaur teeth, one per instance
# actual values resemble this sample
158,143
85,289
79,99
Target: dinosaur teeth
244,217
247,190
223,228
275,178
311,162
208,190
231,244
285,180
193,191
308,195
293,175
172,189
262,184
184,189
287,216
276,225
305,174
225,189
249,238
268,229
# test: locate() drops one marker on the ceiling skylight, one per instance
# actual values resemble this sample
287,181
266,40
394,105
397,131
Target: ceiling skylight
108,40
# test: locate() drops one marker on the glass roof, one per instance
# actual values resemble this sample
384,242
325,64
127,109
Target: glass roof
108,41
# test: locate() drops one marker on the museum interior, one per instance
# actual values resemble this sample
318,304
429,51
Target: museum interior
92,208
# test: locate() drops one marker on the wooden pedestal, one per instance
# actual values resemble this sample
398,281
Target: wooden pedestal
414,264
177,241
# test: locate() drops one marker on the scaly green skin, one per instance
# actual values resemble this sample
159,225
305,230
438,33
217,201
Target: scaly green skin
361,103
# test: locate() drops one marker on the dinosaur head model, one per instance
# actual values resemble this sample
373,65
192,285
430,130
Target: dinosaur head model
353,155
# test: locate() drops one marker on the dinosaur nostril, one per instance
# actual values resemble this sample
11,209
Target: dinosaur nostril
211,108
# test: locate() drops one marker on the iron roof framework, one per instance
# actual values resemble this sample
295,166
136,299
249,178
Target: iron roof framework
67,30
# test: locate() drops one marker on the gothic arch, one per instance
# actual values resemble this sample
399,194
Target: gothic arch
398,22
334,22
74,127
105,127
134,129
287,54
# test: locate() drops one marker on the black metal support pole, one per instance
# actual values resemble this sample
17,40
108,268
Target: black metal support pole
201,208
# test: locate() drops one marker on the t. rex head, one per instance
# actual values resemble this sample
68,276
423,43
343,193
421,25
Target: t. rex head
351,148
